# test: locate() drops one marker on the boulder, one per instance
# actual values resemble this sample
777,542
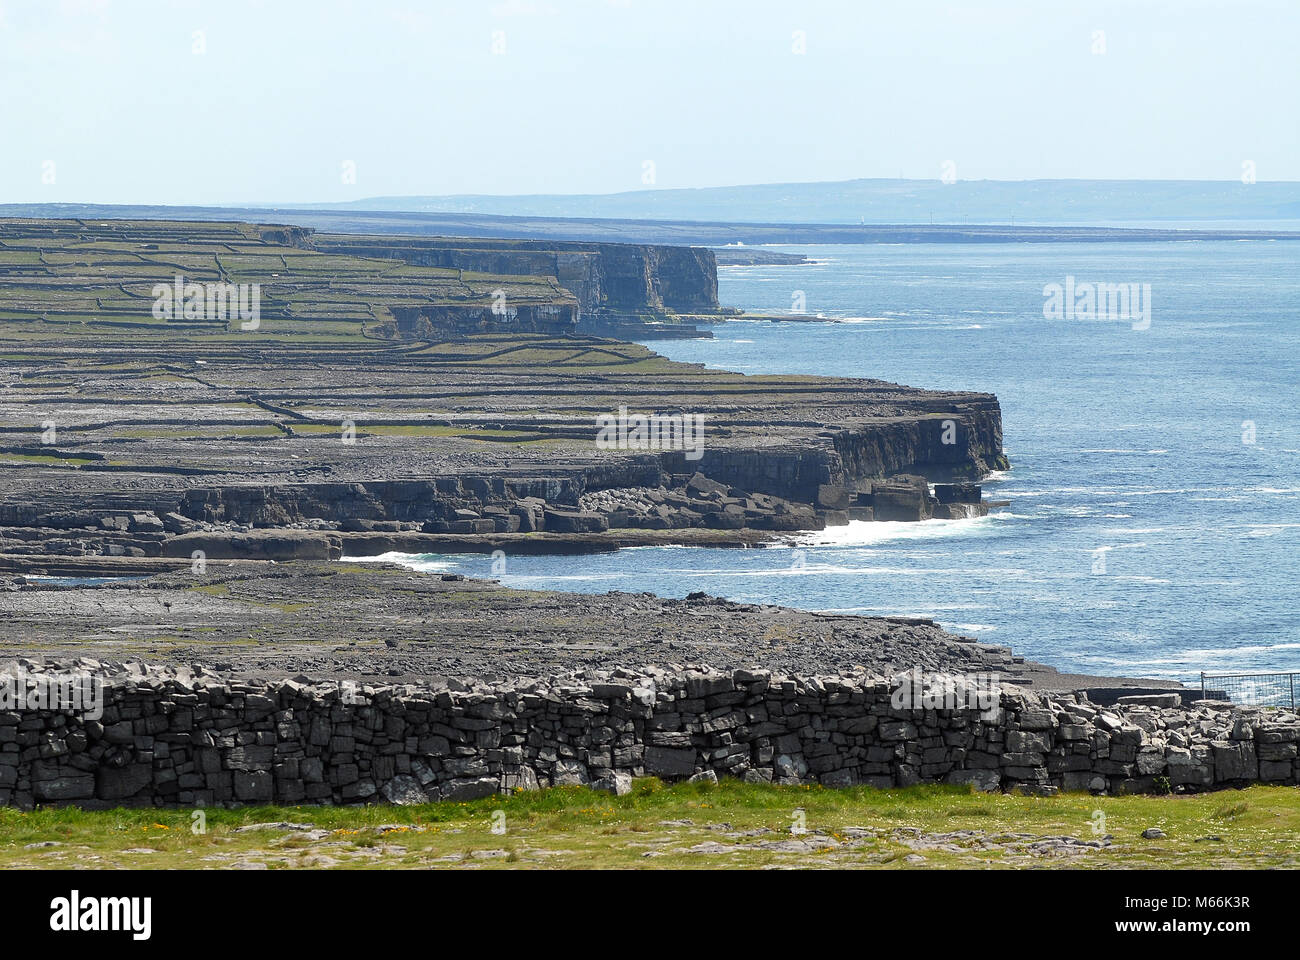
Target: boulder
66,786
403,790
618,783
469,788
832,496
118,783
574,521
701,486
986,781
1163,700
1234,760
669,762
957,492
904,498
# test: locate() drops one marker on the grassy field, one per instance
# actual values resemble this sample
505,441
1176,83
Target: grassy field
729,825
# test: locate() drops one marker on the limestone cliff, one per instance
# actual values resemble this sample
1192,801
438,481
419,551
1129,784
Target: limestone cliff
610,280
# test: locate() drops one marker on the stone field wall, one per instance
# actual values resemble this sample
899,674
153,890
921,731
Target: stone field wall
171,737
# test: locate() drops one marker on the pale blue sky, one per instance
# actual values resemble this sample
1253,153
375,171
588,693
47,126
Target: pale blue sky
588,90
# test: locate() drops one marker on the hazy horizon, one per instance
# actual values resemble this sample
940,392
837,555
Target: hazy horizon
791,183
253,103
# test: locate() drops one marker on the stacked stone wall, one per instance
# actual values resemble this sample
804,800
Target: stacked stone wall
170,737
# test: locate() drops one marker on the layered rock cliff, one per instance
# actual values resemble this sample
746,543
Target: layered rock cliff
611,281
381,387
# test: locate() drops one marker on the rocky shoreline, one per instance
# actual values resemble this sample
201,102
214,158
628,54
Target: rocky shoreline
381,623
482,518
416,411
406,413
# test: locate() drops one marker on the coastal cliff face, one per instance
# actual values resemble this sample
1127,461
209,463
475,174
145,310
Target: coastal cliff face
609,280
492,438
735,490
654,279
95,279
378,394
442,322
688,279
963,441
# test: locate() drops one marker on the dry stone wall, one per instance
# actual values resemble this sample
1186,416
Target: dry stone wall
175,737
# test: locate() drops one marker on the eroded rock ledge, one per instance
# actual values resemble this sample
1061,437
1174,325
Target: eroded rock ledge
378,623
173,737
466,442
413,385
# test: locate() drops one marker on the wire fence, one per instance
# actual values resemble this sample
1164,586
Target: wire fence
1252,689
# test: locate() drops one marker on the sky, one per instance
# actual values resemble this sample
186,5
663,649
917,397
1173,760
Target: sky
265,101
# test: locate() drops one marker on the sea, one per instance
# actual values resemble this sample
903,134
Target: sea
1154,520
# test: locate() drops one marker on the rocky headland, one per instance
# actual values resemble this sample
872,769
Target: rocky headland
381,401
423,394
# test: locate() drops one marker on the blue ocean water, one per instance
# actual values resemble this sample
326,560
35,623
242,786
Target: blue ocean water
1146,535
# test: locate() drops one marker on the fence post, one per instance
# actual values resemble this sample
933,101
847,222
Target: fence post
1202,684
1292,677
